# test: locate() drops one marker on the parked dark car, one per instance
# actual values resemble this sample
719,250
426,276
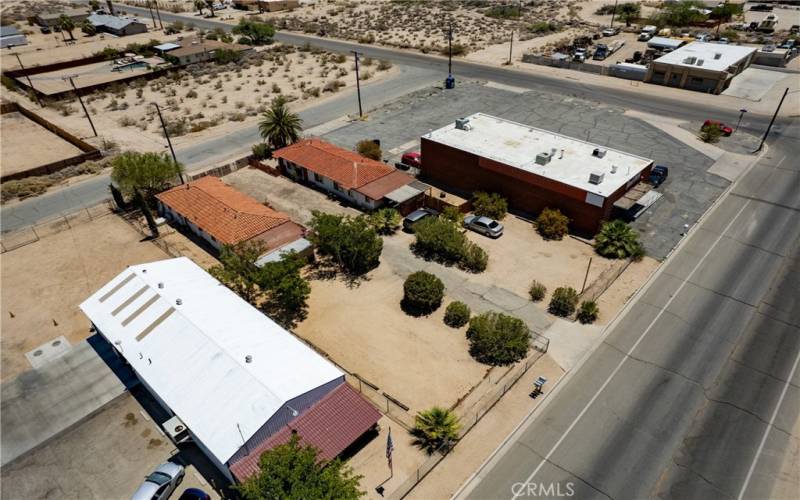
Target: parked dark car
762,7
194,494
658,175
416,216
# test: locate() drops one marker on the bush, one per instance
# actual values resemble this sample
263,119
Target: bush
384,64
439,239
261,151
710,133
452,214
490,205
474,258
349,241
617,240
422,293
498,339
385,221
537,291
563,302
369,149
543,27
457,314
588,312
552,224
503,12
458,50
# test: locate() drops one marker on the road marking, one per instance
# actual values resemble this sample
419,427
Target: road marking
769,427
630,351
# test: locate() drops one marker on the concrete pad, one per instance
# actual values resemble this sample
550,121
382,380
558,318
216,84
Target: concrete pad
48,351
753,83
505,299
672,127
509,88
569,341
731,165
40,404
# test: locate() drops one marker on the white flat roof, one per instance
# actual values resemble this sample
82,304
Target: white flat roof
517,145
715,56
193,354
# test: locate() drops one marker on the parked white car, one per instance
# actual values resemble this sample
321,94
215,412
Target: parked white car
484,225
160,484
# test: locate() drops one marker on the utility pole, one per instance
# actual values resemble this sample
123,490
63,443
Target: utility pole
450,50
739,121
72,82
510,48
152,16
158,13
769,127
164,128
30,84
358,87
613,14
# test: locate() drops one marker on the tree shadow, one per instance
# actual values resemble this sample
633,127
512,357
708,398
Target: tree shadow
327,270
288,319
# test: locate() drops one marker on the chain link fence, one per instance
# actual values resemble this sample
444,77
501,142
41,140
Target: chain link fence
18,238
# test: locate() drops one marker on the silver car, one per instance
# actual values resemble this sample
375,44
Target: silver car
484,225
160,484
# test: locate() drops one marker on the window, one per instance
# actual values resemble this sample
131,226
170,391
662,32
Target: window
337,187
317,177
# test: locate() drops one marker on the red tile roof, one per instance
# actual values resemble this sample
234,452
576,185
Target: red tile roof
379,188
348,168
331,425
221,211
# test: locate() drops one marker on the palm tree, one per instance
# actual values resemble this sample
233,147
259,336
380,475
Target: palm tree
199,5
279,126
435,429
628,12
617,240
65,23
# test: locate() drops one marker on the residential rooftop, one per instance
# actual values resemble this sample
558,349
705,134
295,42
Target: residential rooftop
708,56
572,161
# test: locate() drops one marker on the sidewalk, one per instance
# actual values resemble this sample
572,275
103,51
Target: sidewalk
471,452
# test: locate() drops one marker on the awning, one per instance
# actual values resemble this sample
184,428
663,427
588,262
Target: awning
167,46
405,193
298,245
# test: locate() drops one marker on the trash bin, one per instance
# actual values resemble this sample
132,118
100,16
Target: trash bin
449,82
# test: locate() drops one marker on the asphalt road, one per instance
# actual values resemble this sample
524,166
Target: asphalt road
695,392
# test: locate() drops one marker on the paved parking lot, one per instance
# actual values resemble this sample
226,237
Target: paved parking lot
689,191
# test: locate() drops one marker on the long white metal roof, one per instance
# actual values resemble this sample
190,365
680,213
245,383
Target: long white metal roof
190,338
516,145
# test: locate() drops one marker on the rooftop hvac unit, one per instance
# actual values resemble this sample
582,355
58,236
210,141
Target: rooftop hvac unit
599,152
717,55
596,177
176,430
689,60
543,158
463,124
700,62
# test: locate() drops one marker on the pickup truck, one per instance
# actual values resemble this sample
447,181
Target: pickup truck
658,175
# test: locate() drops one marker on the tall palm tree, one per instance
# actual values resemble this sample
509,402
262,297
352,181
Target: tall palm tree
279,126
435,429
618,240
65,23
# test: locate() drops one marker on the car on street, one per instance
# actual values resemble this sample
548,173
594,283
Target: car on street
194,494
658,175
417,215
484,225
160,484
726,130
412,159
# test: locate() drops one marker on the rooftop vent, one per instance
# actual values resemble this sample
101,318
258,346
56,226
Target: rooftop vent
178,301
596,177
718,55
160,285
613,169
689,60
463,124
599,152
543,158
248,359
700,62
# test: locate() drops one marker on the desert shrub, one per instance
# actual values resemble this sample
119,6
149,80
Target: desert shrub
261,151
474,258
349,242
543,27
236,117
385,221
384,64
503,11
710,133
618,240
24,188
126,121
333,86
370,149
422,293
452,214
498,339
365,75
588,312
490,205
225,56
457,314
191,94
537,291
552,224
458,49
563,301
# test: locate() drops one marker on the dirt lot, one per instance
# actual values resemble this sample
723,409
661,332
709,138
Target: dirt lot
106,456
18,133
44,282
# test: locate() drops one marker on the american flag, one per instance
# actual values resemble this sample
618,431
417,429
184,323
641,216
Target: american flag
389,448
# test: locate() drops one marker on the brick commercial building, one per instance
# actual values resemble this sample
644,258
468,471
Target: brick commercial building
532,168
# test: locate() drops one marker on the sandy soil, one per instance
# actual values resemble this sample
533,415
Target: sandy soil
419,361
18,134
54,82
617,295
521,256
44,282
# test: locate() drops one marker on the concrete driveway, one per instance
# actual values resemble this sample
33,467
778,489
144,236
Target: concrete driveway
754,83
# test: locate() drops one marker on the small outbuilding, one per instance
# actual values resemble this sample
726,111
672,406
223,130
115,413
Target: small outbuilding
11,37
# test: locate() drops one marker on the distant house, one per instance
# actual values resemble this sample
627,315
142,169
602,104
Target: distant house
51,19
226,376
200,50
221,215
266,5
11,37
117,26
367,183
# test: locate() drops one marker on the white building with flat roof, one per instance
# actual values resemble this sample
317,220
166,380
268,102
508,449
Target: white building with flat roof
704,66
532,167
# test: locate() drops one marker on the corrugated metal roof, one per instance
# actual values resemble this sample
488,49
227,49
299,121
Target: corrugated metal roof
188,337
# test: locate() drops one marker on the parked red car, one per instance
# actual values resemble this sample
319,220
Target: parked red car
726,130
412,159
